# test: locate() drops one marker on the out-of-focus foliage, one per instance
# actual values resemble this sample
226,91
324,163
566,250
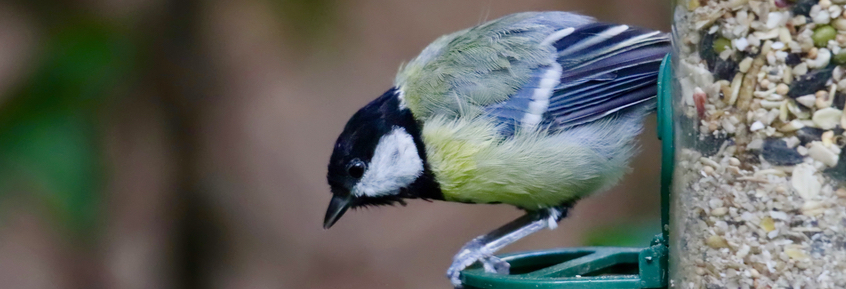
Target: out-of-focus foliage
630,234
307,21
50,128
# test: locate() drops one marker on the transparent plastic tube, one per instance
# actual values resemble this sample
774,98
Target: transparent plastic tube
758,190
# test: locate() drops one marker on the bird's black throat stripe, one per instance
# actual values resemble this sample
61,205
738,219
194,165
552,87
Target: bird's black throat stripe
426,186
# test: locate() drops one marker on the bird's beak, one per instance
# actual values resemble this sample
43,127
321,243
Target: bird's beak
337,207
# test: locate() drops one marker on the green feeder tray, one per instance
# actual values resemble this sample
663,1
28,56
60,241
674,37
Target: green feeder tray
597,267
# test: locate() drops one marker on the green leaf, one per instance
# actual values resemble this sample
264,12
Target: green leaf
55,158
49,129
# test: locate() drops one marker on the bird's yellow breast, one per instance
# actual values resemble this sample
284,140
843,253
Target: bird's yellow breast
472,163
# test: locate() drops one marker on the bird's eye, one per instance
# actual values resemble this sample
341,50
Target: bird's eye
356,168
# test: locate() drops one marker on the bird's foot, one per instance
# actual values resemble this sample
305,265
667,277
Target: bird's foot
474,251
494,264
483,247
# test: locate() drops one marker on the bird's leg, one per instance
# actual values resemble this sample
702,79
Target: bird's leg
483,247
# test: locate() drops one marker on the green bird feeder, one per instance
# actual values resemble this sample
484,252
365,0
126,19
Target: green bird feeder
598,267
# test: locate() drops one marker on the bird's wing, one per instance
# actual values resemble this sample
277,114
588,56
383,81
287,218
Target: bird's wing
601,69
463,73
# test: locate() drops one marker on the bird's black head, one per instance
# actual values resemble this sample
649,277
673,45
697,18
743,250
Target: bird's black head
379,159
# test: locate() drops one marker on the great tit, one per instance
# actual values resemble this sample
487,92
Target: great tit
536,110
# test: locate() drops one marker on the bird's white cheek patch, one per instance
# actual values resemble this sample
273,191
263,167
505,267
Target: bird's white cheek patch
395,164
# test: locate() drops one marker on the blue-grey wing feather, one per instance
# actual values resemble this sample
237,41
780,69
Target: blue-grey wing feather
605,68
635,83
596,90
512,112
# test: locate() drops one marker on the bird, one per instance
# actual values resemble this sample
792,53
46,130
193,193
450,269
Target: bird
535,109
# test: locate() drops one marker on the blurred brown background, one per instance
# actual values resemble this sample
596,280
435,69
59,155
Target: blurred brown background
182,144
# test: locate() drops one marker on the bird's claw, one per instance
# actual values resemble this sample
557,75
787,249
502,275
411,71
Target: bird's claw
469,254
494,264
